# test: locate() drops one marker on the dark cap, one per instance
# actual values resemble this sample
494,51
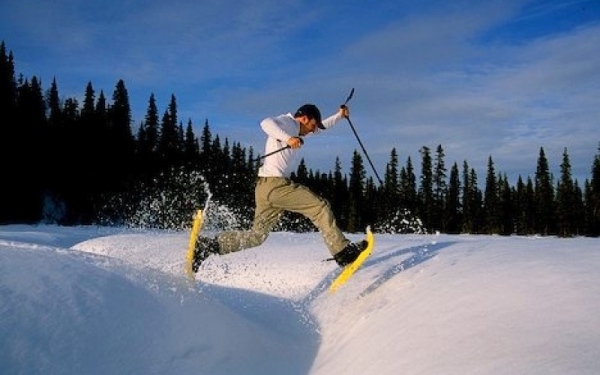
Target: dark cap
311,111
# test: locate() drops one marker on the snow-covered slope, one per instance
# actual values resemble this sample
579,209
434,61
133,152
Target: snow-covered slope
97,301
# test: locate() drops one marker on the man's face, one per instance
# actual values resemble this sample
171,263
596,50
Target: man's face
309,125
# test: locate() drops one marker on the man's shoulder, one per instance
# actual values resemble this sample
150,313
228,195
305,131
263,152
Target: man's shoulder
284,121
286,117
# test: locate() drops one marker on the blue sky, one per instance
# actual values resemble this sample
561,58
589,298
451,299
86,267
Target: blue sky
497,78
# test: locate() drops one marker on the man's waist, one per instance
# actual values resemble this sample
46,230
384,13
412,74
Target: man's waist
273,170
266,178
272,179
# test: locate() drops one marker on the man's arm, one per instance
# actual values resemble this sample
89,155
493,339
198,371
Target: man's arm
343,112
273,130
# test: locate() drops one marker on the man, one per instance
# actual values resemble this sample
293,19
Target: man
276,193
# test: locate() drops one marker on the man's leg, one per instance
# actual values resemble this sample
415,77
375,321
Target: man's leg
273,196
290,196
265,218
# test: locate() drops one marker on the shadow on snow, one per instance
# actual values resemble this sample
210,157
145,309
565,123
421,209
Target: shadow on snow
418,255
290,322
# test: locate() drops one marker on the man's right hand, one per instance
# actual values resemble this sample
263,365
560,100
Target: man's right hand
344,111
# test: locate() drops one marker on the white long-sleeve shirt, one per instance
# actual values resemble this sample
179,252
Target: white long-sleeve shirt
279,129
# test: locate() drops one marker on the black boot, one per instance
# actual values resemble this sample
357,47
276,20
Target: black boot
205,246
349,254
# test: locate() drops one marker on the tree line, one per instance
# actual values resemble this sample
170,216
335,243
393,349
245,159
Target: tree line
75,163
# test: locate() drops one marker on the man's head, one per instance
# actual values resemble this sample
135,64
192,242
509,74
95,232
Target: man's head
312,112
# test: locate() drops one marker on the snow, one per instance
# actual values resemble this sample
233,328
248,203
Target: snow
94,300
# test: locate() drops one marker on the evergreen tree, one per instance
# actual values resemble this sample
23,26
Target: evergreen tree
506,206
191,148
31,109
54,105
525,204
122,149
93,128
340,193
149,131
565,200
85,135
88,111
452,215
472,201
56,149
206,157
592,199
147,141
302,175
426,203
544,197
26,150
477,202
357,194
394,215
530,206
440,189
408,187
181,145
103,134
77,186
239,178
390,201
221,165
62,144
102,110
120,118
8,87
170,139
490,201
579,210
467,224
8,134
370,203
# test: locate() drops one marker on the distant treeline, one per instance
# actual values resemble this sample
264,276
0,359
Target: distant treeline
74,163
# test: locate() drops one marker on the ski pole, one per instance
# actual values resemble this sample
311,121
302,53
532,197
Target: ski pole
276,151
271,153
358,138
348,98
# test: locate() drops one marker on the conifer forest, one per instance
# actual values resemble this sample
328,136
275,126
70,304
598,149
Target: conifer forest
70,163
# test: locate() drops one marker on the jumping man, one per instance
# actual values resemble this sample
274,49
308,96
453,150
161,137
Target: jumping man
276,193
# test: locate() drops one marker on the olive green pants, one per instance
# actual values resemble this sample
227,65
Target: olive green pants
274,195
